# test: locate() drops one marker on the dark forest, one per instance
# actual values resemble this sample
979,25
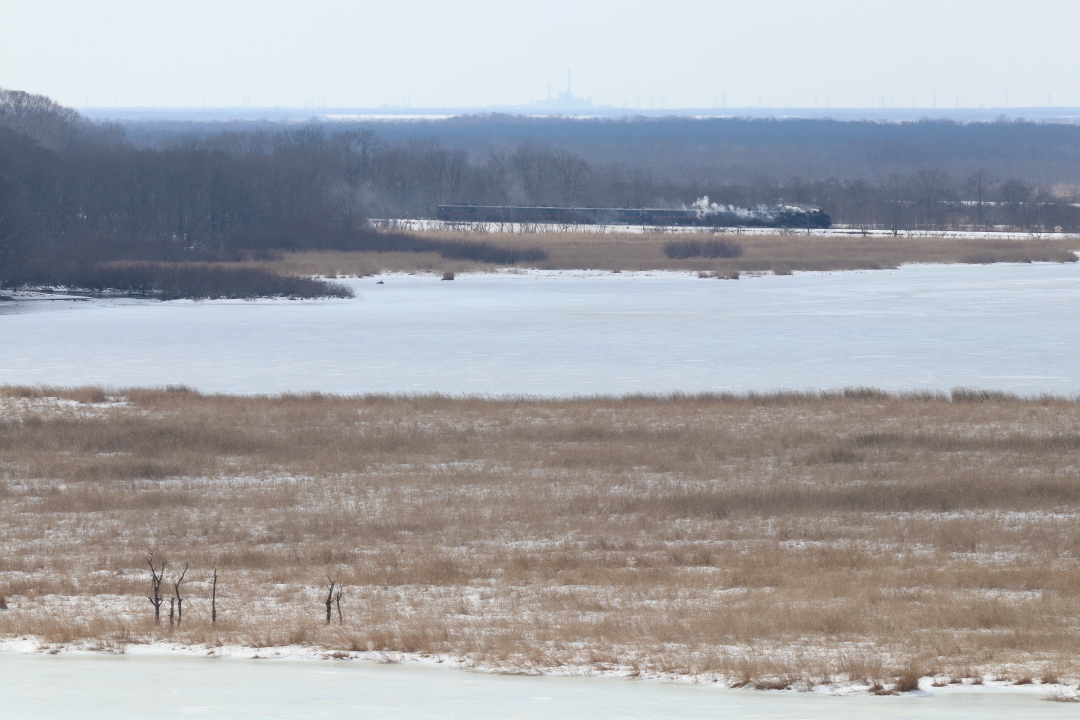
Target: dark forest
75,194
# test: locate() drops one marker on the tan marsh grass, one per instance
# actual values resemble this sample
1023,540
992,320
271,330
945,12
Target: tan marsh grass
764,538
645,251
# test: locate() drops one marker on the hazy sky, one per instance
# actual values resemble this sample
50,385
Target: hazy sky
477,52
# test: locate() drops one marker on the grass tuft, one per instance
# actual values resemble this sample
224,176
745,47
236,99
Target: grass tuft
1066,695
908,680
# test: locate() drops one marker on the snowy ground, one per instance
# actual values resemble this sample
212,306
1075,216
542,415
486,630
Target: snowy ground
102,686
1011,327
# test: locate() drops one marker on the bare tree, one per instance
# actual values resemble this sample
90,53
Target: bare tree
48,122
454,171
860,208
1017,195
213,600
894,192
156,576
534,170
980,187
346,202
570,172
356,154
491,181
337,602
330,598
179,600
932,186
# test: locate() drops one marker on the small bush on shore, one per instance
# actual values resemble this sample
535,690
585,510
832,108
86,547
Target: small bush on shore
908,681
1067,695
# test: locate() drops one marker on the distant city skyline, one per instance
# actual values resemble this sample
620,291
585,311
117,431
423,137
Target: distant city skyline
913,54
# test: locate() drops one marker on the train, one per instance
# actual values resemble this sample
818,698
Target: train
777,216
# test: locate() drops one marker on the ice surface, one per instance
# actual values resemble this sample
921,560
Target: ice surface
1013,327
92,687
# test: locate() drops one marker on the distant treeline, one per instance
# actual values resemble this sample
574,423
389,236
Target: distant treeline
714,151
76,196
75,193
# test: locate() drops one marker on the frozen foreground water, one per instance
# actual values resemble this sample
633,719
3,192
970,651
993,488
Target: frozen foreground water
101,686
1012,327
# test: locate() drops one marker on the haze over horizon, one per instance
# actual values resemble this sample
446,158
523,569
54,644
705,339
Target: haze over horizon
477,53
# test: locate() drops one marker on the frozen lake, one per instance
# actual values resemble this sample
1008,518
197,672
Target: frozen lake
1012,327
89,687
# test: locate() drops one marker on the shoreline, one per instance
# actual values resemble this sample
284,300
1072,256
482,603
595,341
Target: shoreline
1066,687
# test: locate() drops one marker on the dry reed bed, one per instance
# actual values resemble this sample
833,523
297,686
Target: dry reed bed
644,251
780,538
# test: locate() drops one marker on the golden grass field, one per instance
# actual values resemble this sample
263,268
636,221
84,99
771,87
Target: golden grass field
644,251
770,539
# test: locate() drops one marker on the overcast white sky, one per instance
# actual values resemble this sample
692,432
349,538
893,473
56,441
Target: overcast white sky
477,52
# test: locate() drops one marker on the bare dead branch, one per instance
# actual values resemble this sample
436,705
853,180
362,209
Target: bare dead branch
179,600
156,577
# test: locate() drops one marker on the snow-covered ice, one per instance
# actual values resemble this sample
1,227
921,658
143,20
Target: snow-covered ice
165,686
1013,327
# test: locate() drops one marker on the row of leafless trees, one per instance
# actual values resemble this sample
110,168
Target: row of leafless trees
176,600
334,593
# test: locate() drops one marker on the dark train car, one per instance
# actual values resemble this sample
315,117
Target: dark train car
780,217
